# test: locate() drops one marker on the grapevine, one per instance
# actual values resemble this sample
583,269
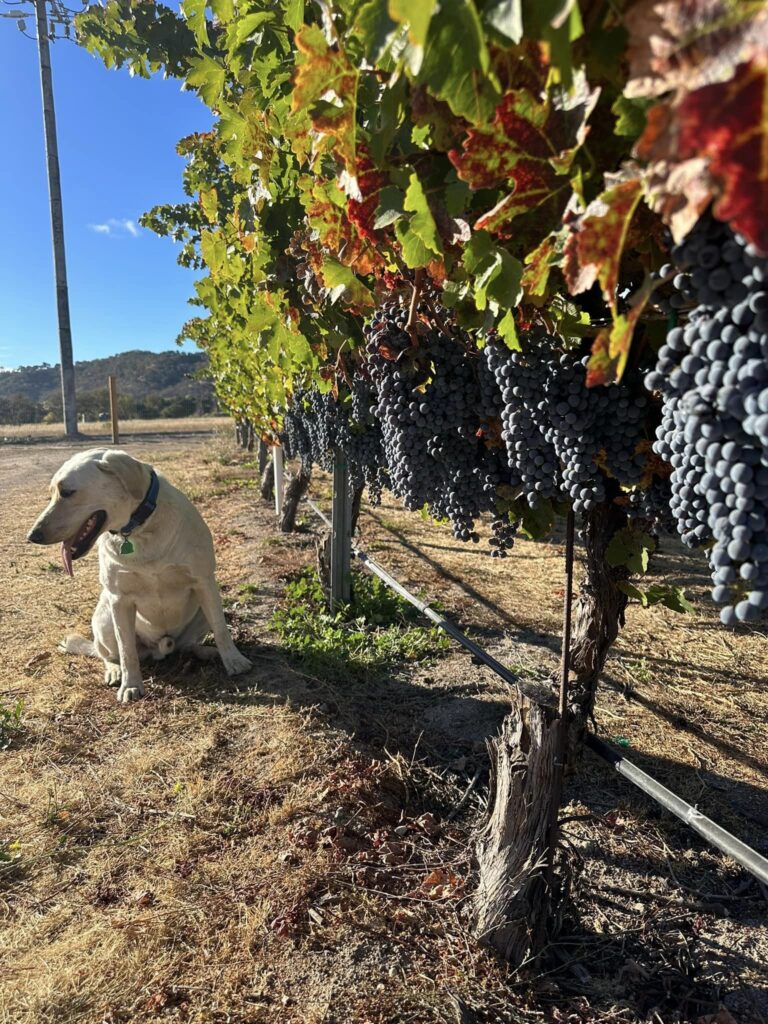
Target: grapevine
453,245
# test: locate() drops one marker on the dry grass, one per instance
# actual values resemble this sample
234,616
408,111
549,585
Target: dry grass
103,431
279,850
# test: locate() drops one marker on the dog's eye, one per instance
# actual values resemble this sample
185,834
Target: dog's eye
64,493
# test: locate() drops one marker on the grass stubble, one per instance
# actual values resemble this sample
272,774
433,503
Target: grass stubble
280,848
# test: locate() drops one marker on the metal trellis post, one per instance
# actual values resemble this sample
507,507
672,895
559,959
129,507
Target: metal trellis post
341,533
562,725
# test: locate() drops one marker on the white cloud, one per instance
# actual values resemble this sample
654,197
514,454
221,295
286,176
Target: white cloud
116,227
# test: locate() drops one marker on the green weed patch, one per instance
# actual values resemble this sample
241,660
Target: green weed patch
375,632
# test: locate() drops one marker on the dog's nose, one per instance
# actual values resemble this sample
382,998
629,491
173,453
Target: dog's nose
36,536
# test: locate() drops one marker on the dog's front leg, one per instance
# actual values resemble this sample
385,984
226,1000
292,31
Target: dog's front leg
210,602
124,618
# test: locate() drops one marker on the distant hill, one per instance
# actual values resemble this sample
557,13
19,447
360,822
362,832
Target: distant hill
149,384
138,373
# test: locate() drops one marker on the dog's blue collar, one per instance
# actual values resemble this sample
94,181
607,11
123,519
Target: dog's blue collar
145,509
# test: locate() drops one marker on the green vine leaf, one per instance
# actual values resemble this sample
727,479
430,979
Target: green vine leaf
194,12
630,548
345,287
390,208
419,237
208,77
457,64
506,18
671,597
497,274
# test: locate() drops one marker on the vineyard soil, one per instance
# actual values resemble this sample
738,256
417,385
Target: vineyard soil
278,848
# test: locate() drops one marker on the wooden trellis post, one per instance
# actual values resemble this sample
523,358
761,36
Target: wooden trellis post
277,463
341,533
112,384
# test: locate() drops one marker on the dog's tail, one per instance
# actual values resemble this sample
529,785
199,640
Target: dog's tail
75,644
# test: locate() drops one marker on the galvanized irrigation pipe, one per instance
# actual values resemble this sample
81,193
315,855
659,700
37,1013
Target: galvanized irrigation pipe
710,830
750,859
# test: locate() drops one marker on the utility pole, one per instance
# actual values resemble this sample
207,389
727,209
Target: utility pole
57,223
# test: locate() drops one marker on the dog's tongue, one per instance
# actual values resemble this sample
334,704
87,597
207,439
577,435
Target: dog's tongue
66,558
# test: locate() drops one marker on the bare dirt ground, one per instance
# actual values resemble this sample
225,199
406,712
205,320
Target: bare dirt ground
280,848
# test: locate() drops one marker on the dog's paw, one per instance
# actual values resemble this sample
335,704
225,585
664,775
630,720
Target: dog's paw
111,674
236,664
128,693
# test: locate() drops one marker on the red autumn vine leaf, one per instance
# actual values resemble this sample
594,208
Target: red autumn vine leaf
610,349
533,182
678,190
594,249
530,143
335,231
490,155
686,44
362,213
712,143
728,124
705,140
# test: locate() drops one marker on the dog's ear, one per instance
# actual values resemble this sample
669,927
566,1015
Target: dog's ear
132,474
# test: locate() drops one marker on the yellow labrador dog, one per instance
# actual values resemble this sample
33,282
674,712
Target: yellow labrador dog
156,565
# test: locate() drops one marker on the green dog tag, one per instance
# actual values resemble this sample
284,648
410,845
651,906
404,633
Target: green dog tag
127,548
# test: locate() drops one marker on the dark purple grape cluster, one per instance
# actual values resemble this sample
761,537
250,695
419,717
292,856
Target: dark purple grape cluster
649,507
317,425
561,435
461,432
432,410
713,375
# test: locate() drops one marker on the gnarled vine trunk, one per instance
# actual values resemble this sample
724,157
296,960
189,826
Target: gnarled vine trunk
598,615
515,912
294,492
512,904
267,488
244,434
263,455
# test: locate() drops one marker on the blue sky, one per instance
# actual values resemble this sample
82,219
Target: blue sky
117,139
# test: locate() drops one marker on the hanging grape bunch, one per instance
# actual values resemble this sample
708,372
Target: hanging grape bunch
318,424
437,411
559,434
713,375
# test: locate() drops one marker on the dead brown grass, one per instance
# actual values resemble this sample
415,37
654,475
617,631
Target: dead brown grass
279,849
103,431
